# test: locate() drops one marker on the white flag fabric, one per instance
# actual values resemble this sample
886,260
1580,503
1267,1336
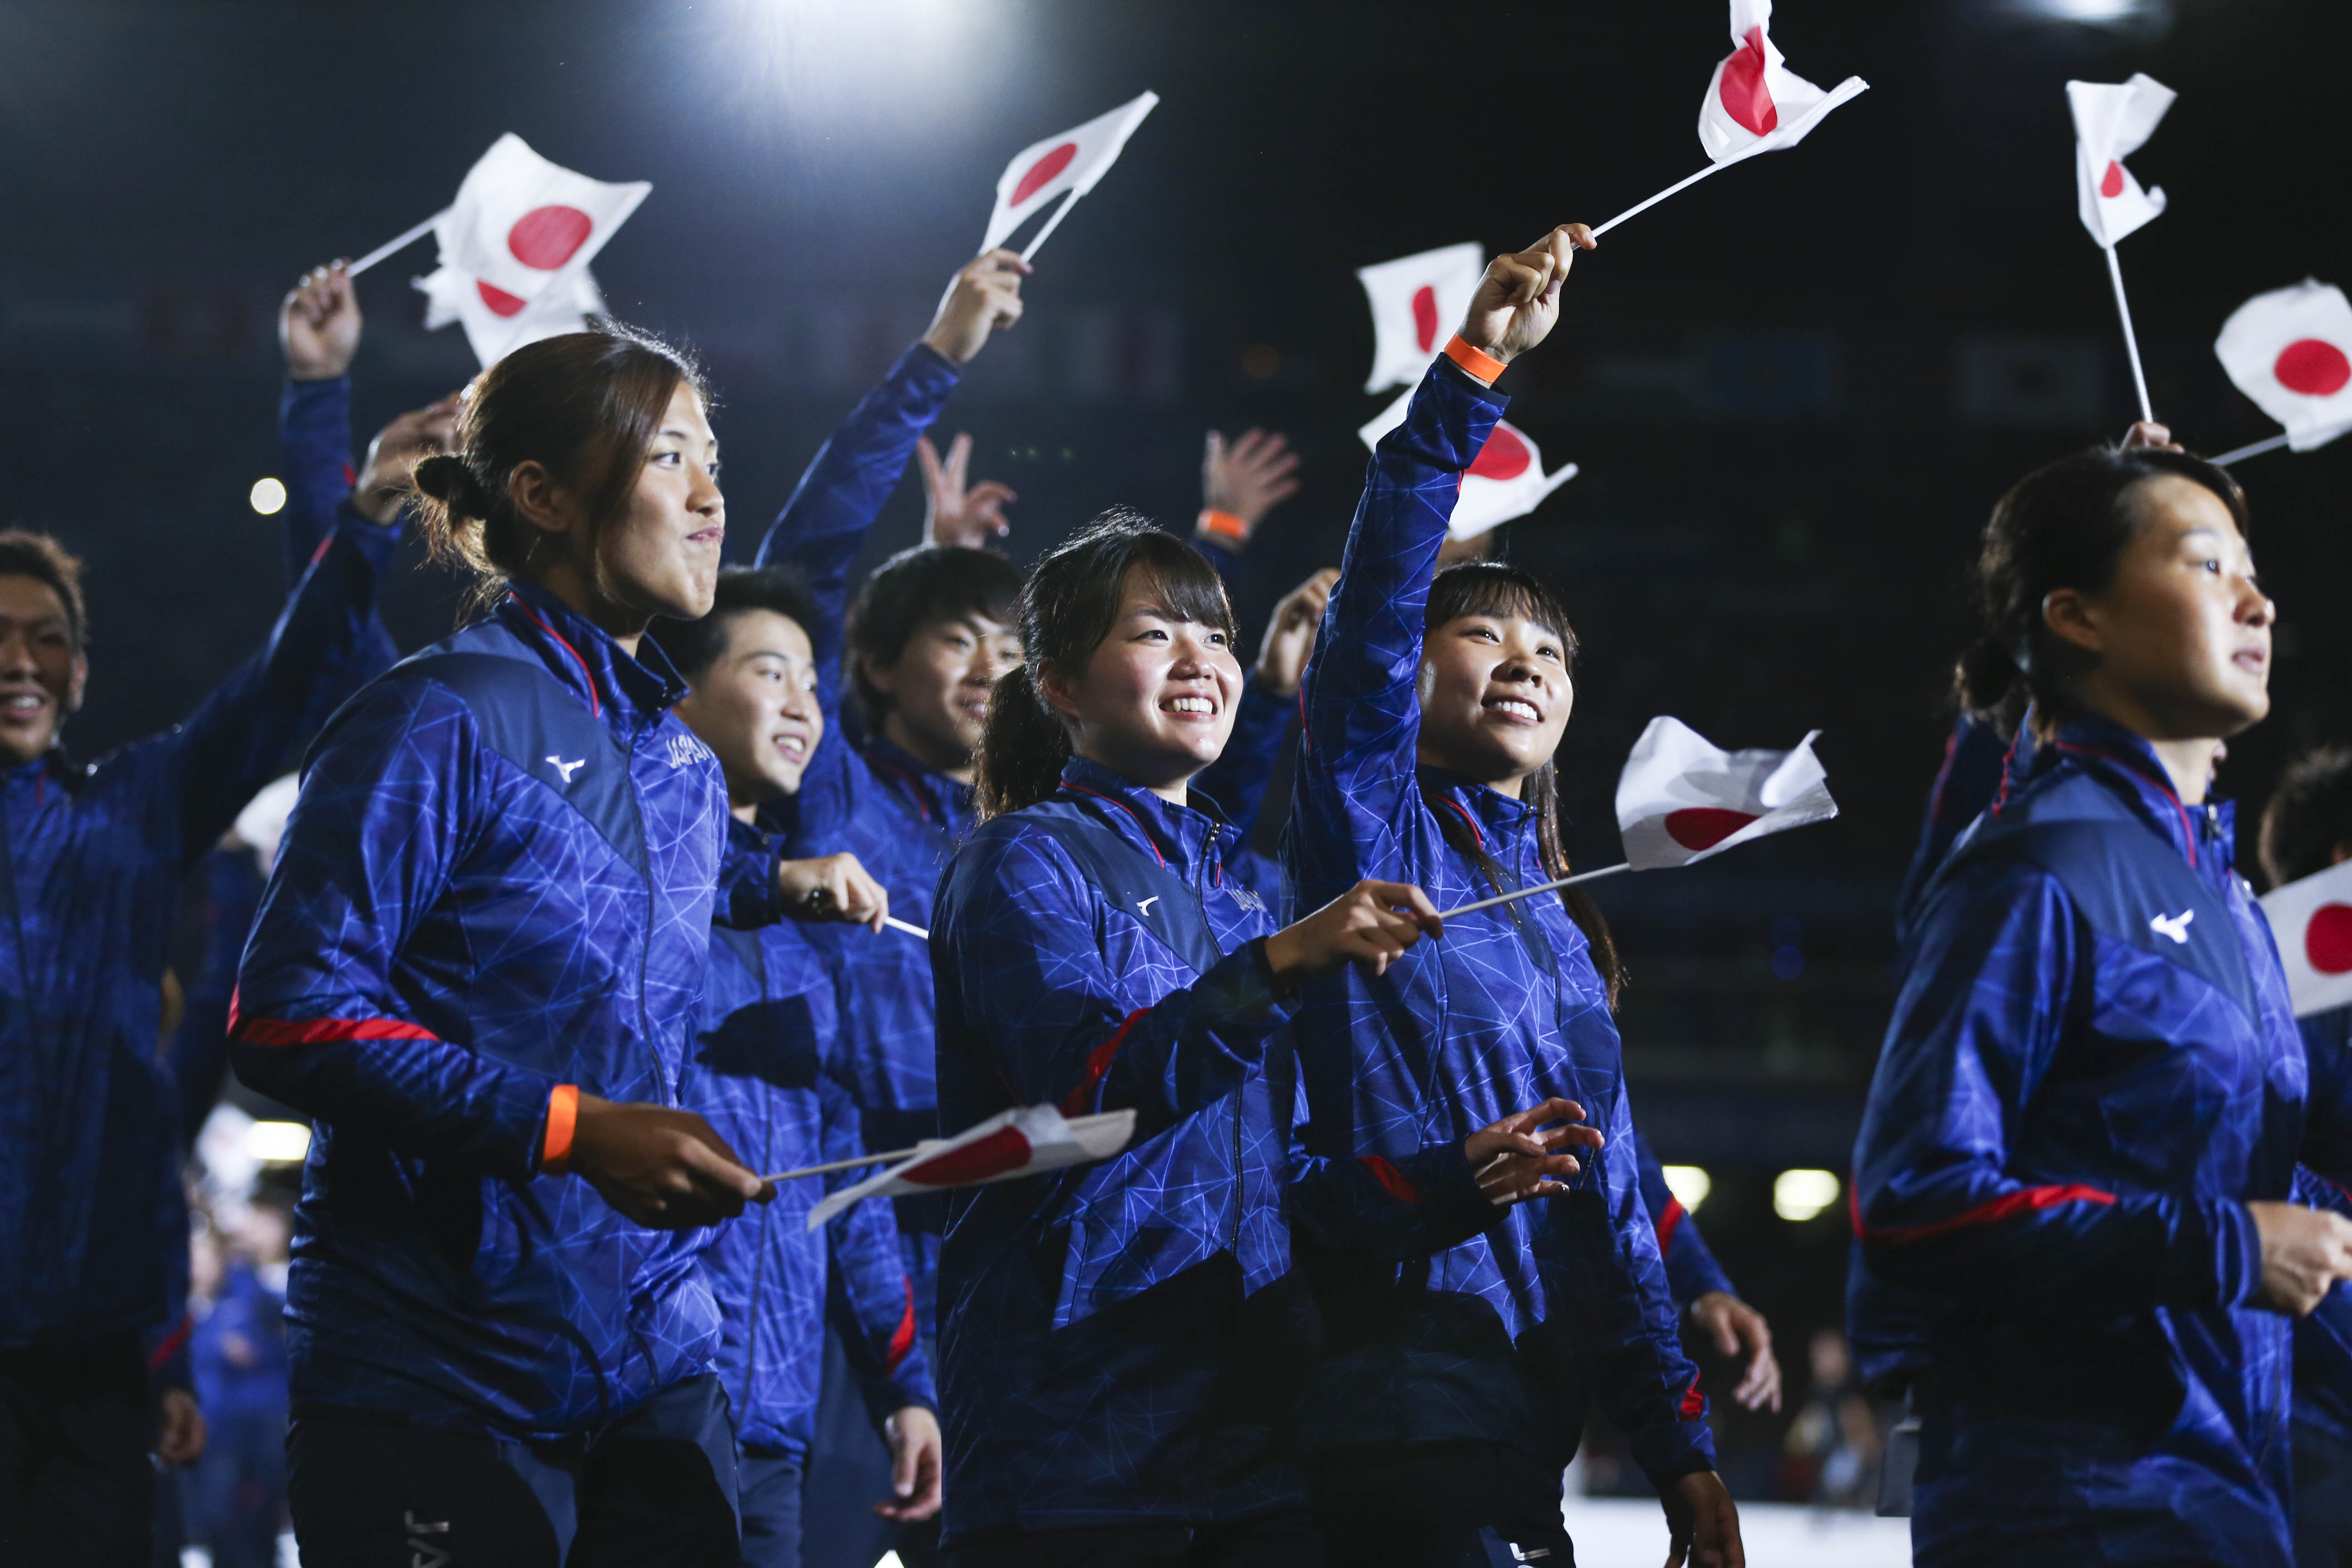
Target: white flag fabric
1681,800
2312,921
1072,162
1025,1141
495,323
2111,121
520,221
1416,300
2290,350
1755,102
261,825
1506,481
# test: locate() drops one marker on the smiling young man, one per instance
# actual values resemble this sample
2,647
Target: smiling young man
766,1071
89,1217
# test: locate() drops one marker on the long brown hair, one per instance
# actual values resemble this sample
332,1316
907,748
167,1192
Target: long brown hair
1498,588
585,405
1069,604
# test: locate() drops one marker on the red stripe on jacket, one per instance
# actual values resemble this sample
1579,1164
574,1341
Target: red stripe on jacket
1389,1177
2025,1200
319,1031
1097,1064
1668,1218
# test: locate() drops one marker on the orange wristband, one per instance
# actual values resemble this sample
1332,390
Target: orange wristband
1222,524
1477,362
563,1116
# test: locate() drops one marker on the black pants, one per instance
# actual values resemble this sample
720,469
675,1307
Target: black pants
1423,1505
1275,1540
2323,1499
77,1488
653,1489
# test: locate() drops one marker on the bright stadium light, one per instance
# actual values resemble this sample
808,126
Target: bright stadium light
268,496
1798,1196
1690,1185
278,1142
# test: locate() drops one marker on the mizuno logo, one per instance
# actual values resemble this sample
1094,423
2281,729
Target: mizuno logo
567,769
2174,926
1144,908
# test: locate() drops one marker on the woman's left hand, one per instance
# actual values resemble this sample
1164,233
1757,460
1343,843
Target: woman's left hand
915,1465
1519,1157
1518,300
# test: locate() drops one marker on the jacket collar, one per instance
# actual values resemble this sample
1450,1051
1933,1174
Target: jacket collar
1185,836
1502,824
584,657
942,801
2126,765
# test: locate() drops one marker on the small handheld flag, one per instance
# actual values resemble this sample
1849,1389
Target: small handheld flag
2290,350
2312,921
1506,481
1074,161
520,222
2113,120
495,323
1415,300
1025,1141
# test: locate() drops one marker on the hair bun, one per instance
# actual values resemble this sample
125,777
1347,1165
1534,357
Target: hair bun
450,480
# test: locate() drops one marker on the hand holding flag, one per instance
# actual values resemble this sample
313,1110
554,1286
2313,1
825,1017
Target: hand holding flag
1028,1141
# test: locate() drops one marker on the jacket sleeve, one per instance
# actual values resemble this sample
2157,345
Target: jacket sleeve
1993,970
1237,780
252,727
314,453
1389,1211
869,1300
1691,1268
1362,712
1016,955
199,1050
392,799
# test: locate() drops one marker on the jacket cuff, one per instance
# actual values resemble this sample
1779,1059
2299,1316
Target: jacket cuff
1453,1206
1243,983
925,372
2235,1247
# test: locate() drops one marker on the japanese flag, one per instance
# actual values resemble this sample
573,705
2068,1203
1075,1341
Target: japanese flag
1756,103
1504,482
1680,800
520,221
1073,161
1416,300
495,323
2290,350
2312,921
2111,121
1026,1142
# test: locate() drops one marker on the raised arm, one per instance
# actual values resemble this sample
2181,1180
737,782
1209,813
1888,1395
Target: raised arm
319,328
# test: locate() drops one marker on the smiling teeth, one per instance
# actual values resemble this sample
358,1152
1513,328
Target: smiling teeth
1190,705
1525,710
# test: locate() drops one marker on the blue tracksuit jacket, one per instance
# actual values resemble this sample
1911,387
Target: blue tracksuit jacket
2323,1341
1505,1336
766,1073
900,819
1691,1268
314,456
92,1226
2091,1065
498,880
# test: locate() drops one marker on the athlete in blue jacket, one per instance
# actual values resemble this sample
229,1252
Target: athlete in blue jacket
1427,719
767,1071
2083,1131
476,966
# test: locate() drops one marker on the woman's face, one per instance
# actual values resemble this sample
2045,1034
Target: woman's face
1155,701
661,554
1495,697
2183,633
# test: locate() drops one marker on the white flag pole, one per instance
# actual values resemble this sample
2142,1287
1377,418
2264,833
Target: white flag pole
2269,444
2131,339
895,923
831,1166
1539,888
1682,184
406,238
1051,224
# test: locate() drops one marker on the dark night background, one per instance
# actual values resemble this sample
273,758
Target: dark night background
1794,391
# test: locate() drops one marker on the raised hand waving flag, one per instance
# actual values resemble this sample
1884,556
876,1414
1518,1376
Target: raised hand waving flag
2113,120
1505,482
1415,300
1074,160
2312,921
2290,350
1025,1141
520,222
495,323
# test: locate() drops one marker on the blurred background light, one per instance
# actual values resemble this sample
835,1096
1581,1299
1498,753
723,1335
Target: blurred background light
278,1142
1690,1185
1798,1196
268,496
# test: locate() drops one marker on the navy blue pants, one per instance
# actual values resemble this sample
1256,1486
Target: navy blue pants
77,1488
768,1495
2322,1498
655,1488
1272,1540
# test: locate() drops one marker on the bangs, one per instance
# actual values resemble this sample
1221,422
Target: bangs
1492,588
1177,584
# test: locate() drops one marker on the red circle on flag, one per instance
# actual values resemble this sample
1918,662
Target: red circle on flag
1425,315
1043,170
1747,98
2111,184
2327,939
501,303
2312,366
547,237
1504,457
1003,1149
1705,826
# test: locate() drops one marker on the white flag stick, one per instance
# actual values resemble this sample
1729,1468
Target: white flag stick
1051,224
2269,444
1850,88
895,923
406,238
2131,339
831,1166
1682,184
1539,888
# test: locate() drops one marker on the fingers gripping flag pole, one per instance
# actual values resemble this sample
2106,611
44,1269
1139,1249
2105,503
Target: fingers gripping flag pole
1025,1141
1681,800
1754,104
2113,120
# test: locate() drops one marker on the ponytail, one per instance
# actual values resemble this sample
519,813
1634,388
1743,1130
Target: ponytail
1021,748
